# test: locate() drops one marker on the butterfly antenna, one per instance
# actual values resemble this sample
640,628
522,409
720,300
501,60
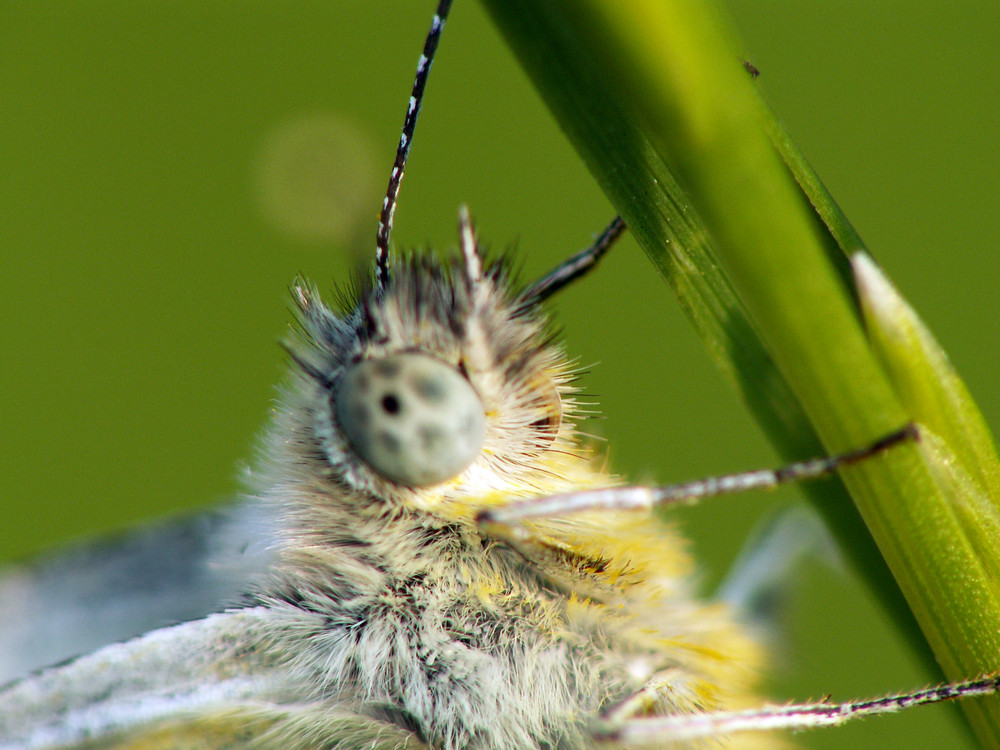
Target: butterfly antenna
403,149
575,267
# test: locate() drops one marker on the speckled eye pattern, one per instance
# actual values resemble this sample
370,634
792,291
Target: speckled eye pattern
412,418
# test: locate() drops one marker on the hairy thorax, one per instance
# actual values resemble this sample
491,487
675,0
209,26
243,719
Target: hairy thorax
468,641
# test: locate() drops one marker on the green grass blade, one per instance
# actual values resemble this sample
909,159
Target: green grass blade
653,96
618,150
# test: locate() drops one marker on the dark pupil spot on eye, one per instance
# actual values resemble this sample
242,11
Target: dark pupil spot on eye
431,437
390,443
430,389
391,404
386,368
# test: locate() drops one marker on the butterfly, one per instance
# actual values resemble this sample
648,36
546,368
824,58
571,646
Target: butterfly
236,677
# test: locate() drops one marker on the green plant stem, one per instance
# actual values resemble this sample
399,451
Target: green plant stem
652,94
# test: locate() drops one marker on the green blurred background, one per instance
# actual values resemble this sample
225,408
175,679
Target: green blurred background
167,169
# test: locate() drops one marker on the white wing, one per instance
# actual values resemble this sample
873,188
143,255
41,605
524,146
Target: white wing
99,592
194,669
210,684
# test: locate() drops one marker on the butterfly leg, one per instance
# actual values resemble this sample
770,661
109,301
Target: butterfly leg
687,493
626,730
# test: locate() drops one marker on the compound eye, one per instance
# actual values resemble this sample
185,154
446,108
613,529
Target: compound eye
412,418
